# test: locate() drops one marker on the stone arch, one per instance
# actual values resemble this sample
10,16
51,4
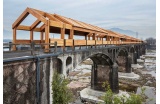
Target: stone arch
122,49
68,61
59,66
132,50
101,71
121,59
68,65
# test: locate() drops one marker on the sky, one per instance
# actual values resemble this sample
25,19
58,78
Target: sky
135,15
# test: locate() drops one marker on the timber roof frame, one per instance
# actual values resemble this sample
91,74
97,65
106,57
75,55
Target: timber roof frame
56,20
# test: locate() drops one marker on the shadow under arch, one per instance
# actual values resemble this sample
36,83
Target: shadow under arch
68,64
102,71
59,66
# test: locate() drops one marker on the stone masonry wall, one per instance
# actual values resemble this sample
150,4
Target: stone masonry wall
121,63
19,82
103,74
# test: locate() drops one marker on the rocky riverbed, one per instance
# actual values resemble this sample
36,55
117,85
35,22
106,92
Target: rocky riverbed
143,75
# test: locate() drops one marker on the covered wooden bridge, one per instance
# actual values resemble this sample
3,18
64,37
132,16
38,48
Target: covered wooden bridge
54,23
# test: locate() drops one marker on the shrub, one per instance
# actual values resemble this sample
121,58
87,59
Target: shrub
111,98
61,93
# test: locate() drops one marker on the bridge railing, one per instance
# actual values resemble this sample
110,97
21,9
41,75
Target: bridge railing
40,44
74,42
33,47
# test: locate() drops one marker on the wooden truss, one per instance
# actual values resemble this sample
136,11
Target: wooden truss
54,23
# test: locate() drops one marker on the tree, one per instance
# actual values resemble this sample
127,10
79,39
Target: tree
151,41
61,93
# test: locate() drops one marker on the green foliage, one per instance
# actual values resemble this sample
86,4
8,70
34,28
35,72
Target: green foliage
111,98
61,93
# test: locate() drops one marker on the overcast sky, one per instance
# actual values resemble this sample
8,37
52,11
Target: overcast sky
136,15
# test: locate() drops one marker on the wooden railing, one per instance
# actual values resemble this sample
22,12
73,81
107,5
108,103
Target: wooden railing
72,42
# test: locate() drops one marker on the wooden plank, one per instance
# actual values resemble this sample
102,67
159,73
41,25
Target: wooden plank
69,42
37,15
60,42
98,42
35,24
23,41
14,38
105,42
39,41
91,42
56,24
79,42
20,19
27,28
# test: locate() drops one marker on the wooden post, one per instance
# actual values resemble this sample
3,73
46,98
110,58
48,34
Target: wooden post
41,37
112,40
47,36
14,38
62,33
71,34
85,37
88,37
62,36
71,37
31,36
94,36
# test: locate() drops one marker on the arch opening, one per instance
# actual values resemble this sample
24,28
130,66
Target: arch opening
59,66
68,65
99,71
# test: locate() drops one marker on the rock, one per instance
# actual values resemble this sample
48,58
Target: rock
140,61
23,89
18,71
20,77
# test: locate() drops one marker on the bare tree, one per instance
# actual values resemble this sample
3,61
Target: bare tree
151,41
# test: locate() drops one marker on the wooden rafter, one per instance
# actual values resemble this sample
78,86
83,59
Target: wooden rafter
48,15
62,19
20,19
35,24
42,27
37,15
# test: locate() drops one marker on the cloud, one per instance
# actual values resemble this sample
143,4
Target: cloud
125,14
